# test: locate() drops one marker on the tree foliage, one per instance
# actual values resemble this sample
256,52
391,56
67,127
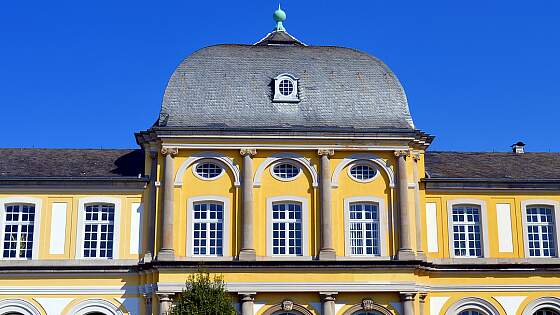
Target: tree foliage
203,296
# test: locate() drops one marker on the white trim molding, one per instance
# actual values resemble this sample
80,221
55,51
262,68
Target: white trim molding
432,227
297,158
95,305
376,160
225,225
304,224
547,302
57,243
383,225
483,224
18,306
38,203
505,234
556,217
220,158
82,202
472,303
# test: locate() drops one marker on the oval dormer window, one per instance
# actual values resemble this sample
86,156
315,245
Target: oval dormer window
208,170
286,88
285,171
362,172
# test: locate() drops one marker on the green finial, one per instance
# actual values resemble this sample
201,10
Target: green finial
279,16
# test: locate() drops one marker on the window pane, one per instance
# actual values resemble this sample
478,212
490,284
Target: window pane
540,231
466,231
99,230
18,231
364,229
208,229
287,229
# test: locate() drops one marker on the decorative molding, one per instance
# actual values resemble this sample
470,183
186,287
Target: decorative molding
95,305
407,296
472,303
327,152
402,153
248,151
219,157
302,161
382,164
368,305
287,306
169,150
546,302
18,306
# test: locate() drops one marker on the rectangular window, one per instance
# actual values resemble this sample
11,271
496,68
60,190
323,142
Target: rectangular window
208,227
364,229
18,231
99,230
540,231
287,229
466,231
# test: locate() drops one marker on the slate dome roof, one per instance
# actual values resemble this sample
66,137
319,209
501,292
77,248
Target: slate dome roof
231,87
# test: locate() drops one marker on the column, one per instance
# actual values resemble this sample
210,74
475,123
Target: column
165,303
328,300
148,299
417,208
151,208
247,300
405,250
167,252
407,299
422,302
327,251
247,251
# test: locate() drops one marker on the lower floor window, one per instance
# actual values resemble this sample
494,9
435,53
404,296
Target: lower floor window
99,230
546,312
286,228
208,228
18,231
470,312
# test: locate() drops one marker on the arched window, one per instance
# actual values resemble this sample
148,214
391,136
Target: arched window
472,306
208,170
470,312
366,313
543,306
546,311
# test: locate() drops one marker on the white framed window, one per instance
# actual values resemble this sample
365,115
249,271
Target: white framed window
540,228
468,228
207,222
547,305
98,228
364,229
18,231
286,88
19,223
365,225
285,171
472,306
287,218
208,170
362,171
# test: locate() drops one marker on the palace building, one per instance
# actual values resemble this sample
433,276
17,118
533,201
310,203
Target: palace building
295,172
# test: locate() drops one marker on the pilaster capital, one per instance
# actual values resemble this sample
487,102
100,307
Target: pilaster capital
171,151
328,296
248,151
148,298
327,152
415,155
402,153
164,297
247,296
407,296
422,297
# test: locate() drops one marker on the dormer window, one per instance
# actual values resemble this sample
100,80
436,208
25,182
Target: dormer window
286,88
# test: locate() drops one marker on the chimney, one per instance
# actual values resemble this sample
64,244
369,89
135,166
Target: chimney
518,148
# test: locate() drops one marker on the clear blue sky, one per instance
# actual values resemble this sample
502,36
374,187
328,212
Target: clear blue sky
479,75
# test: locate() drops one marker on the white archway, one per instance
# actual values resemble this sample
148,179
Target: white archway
299,159
95,305
472,303
548,302
225,161
18,306
364,157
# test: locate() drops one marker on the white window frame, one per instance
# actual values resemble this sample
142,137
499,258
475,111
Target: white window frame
279,97
547,302
292,163
213,161
226,225
82,202
304,226
556,217
383,225
472,303
485,246
366,163
36,230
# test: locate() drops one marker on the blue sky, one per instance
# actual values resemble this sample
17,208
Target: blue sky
479,75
